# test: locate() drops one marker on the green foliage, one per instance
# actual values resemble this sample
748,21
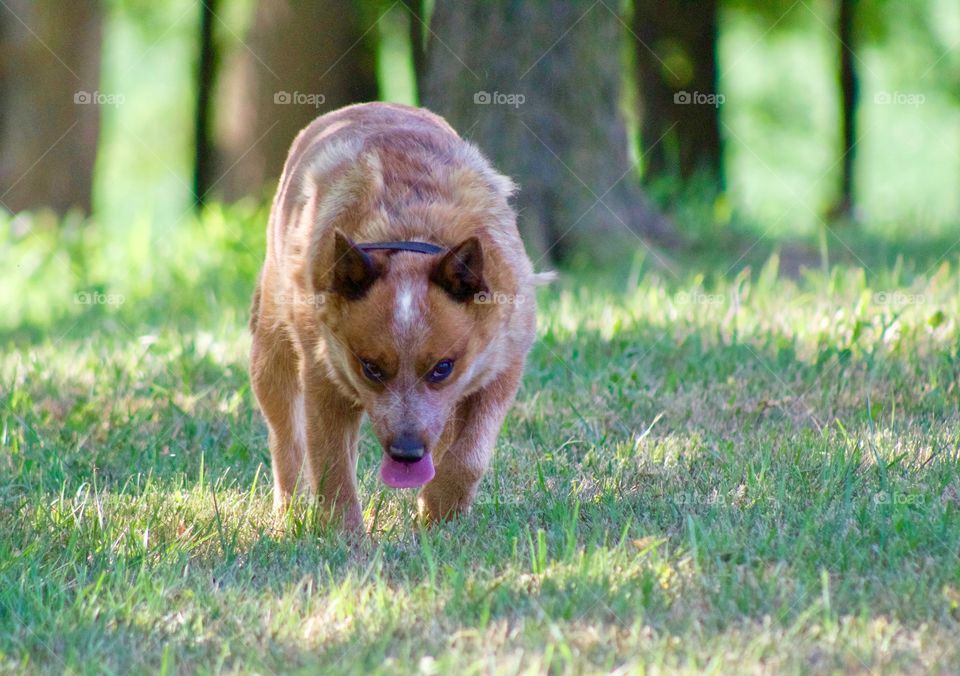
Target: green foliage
706,469
62,275
778,64
701,212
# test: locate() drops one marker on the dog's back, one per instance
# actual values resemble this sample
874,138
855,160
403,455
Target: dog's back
380,172
410,142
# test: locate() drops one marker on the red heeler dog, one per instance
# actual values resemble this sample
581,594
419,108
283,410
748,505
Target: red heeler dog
395,284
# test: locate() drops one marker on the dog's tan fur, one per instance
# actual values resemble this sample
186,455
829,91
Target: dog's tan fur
380,172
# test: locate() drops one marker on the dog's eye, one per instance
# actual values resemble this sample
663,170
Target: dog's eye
371,371
440,372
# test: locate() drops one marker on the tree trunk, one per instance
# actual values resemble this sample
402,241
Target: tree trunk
49,103
677,79
301,59
849,99
537,86
416,17
206,71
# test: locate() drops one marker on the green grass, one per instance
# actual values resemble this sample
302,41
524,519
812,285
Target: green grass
705,469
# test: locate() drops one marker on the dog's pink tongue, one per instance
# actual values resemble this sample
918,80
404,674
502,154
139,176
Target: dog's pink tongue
406,474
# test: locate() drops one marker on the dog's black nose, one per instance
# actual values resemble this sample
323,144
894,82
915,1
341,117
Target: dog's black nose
406,448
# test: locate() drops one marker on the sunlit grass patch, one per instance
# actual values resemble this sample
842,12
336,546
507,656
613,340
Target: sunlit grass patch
743,470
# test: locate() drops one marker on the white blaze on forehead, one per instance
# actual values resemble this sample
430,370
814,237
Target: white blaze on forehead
406,306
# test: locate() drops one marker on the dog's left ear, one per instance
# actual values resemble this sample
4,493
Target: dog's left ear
354,270
460,271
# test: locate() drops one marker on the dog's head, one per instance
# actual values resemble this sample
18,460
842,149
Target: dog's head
411,334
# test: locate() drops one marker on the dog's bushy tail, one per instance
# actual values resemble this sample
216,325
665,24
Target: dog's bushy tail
544,278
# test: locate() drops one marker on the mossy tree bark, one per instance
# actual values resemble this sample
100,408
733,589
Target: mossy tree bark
301,59
50,103
537,86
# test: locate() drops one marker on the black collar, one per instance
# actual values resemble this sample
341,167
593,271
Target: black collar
418,247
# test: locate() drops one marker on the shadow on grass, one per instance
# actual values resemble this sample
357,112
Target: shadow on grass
174,418
911,256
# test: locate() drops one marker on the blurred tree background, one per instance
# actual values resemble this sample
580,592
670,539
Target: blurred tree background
675,123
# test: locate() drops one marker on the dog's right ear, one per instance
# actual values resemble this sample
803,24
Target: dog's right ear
460,271
354,270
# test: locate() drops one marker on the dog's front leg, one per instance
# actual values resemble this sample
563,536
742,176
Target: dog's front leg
467,447
332,424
